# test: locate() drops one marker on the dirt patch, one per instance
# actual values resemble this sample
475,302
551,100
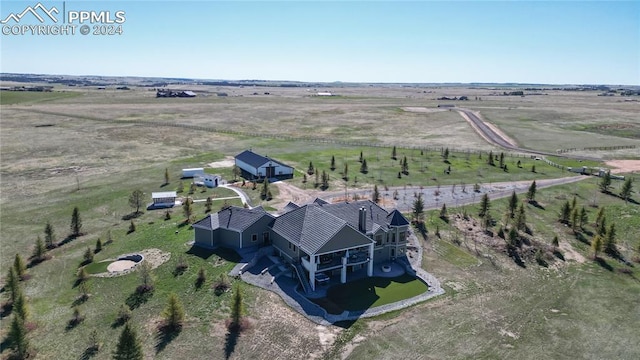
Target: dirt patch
290,193
226,163
121,265
623,166
570,254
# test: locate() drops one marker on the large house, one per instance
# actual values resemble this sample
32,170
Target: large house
317,238
257,167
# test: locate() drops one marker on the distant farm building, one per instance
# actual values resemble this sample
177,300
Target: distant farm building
325,93
257,167
164,199
163,93
446,106
192,172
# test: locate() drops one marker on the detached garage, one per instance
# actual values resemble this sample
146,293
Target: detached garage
257,167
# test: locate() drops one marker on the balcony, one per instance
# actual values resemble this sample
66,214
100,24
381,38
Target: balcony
357,258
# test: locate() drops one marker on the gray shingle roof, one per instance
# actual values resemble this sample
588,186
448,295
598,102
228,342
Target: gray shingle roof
255,160
311,226
232,218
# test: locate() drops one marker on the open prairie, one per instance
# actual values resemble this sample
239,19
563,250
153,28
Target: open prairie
91,148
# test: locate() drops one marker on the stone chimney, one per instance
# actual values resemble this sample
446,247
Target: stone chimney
362,220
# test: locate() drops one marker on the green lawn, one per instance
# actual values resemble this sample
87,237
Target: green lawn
371,292
97,267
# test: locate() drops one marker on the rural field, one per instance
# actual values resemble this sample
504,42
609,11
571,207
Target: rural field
88,148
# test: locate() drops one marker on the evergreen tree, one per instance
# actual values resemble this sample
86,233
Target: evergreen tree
333,163
363,168
596,245
609,242
555,243
445,155
76,222
187,209
132,226
501,160
88,256
375,197
173,314
405,166
575,218
361,159
533,168
345,174
418,208
208,204
49,236
443,213
20,266
490,160
39,250
325,180
108,237
236,172
166,176
18,338
393,153
310,169
627,189
602,226
531,193
146,277
521,218
487,220
605,182
265,193
599,216
574,203
12,284
98,246
82,275
128,347
583,217
484,205
136,199
565,213
513,204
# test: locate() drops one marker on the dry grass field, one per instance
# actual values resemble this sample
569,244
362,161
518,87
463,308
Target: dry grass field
91,148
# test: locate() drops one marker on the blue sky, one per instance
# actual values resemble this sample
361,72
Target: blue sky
562,42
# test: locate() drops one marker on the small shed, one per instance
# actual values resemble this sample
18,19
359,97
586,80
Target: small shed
208,180
189,173
164,199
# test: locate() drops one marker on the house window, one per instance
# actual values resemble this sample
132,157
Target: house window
402,236
393,237
294,248
254,237
378,240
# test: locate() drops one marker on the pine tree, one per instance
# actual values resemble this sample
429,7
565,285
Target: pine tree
565,213
146,278
98,246
82,275
88,256
596,245
445,155
317,182
363,168
521,218
599,216
575,218
531,193
173,314
602,226
605,182
187,209
333,163
18,338
484,205
533,168
132,226
166,176
310,169
49,236
375,197
361,159
12,284
39,250
265,192
418,208
325,180
202,277
345,174
555,243
208,204
627,189
490,160
513,204
443,213
501,160
108,237
128,347
583,217
76,222
20,266
393,153
405,166
574,203
609,242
